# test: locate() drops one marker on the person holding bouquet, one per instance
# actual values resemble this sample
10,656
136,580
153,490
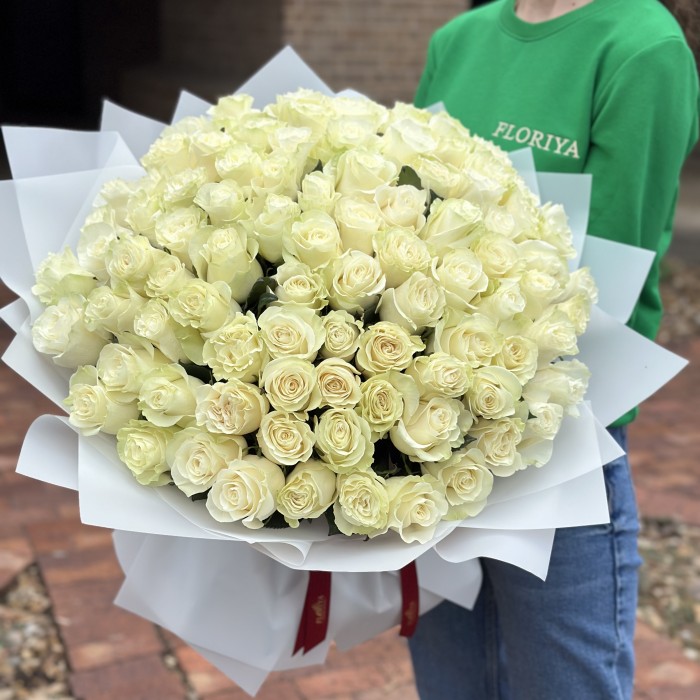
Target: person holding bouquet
610,88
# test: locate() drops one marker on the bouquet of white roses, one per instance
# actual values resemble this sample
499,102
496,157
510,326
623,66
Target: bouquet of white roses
324,307
317,316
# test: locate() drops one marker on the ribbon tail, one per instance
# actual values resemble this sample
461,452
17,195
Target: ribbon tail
409,599
313,626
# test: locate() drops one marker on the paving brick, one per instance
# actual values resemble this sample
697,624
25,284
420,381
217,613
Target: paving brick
146,678
67,534
66,566
204,678
15,556
335,682
99,638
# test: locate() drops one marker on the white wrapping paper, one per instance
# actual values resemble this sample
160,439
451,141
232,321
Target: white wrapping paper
203,579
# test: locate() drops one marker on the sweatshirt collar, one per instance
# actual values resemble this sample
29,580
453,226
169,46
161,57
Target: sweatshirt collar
531,31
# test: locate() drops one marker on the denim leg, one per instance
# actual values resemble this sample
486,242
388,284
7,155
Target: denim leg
568,637
456,652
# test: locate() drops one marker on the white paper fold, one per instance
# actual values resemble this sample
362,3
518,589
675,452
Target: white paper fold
204,580
625,367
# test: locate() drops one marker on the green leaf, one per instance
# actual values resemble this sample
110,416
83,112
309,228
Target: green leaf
201,372
263,285
276,521
264,301
408,176
330,519
200,496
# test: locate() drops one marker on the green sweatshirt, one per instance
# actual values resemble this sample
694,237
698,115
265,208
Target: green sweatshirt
609,89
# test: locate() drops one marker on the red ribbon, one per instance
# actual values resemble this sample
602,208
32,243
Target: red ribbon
313,625
314,616
409,599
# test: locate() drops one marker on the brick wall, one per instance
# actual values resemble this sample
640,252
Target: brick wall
375,46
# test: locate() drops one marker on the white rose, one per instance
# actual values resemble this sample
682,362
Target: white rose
236,350
519,355
229,110
359,221
307,493
405,139
223,201
206,145
503,303
430,431
143,208
167,276
289,383
498,440
274,224
202,305
440,374
153,322
474,338
318,192
362,506
402,206
386,346
350,131
61,275
540,290
498,254
121,367
564,383
169,154
449,223
92,248
241,164
61,331
494,393
342,335
580,282
196,456
299,284
401,253
279,174
554,334
416,506
360,172
176,228
415,305
445,179
291,331
247,491
92,408
167,395
227,255
313,239
556,230
383,400
284,439
141,446
232,408
130,259
343,440
462,276
354,281
112,310
181,188
578,310
337,384
467,482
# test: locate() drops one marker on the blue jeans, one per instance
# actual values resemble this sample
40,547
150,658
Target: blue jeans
567,638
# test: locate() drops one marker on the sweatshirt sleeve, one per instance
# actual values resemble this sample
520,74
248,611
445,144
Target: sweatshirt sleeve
645,124
421,98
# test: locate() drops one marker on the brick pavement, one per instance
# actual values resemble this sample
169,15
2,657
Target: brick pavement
116,656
